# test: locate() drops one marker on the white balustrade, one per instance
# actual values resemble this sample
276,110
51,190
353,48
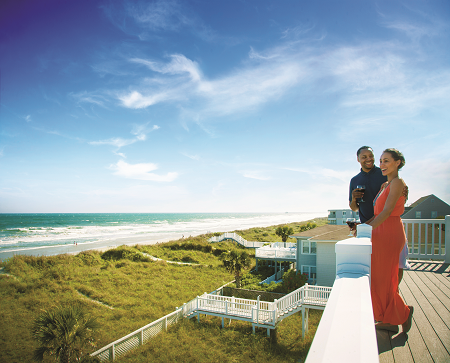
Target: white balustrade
427,239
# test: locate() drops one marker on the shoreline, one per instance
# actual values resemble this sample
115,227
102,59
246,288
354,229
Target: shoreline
105,245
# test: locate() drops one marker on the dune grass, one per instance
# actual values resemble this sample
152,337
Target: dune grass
125,290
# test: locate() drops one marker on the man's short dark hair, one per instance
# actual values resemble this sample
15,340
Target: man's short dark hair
363,148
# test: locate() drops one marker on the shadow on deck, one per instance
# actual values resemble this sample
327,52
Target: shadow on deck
426,287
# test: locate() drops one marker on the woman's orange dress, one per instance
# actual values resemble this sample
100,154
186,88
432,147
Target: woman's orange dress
388,240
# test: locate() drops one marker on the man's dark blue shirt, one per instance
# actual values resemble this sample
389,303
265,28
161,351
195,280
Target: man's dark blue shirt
373,181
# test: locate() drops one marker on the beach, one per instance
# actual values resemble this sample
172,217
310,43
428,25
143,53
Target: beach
53,234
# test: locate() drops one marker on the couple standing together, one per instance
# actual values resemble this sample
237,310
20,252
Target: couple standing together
384,198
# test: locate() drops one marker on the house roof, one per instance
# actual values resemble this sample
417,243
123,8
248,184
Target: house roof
419,201
328,232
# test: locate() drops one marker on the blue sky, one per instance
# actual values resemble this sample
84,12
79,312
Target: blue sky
217,106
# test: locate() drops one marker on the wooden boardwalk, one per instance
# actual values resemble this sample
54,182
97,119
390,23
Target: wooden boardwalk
426,287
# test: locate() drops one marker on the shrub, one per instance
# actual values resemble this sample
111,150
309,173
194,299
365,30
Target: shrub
293,280
124,253
89,258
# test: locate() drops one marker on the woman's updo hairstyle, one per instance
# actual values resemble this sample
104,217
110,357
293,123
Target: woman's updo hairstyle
396,155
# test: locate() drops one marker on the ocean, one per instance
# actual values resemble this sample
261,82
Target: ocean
55,233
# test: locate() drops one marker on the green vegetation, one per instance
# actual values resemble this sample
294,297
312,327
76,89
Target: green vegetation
291,281
123,289
284,232
206,342
235,262
65,333
267,234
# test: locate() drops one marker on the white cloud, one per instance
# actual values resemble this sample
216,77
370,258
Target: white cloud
190,156
27,118
136,100
140,131
118,142
87,97
179,64
141,171
252,174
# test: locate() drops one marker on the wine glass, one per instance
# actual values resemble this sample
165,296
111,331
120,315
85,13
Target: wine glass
351,223
362,188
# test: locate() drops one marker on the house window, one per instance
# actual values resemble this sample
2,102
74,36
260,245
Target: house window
309,247
434,214
310,271
344,213
419,214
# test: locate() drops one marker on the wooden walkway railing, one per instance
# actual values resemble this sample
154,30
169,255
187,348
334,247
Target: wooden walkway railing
260,313
235,237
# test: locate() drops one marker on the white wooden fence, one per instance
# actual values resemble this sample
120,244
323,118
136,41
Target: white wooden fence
427,238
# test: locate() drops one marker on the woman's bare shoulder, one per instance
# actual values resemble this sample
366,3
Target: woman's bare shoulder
398,183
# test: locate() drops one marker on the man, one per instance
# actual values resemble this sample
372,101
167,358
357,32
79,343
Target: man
372,178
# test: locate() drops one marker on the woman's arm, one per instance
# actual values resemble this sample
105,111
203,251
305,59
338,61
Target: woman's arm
395,192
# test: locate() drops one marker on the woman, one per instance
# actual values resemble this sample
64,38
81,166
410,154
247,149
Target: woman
388,239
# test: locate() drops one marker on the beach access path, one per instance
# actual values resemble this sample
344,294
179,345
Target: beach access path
426,287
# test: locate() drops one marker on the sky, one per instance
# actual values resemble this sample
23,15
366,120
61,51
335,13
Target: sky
217,106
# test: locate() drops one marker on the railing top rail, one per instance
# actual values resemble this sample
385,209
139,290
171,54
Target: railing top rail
419,221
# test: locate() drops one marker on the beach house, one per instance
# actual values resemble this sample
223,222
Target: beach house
339,216
427,207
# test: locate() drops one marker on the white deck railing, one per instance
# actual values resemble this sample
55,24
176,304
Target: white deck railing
263,312
277,253
346,331
427,239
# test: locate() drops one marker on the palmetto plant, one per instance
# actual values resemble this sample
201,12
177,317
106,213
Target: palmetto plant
235,261
284,232
63,332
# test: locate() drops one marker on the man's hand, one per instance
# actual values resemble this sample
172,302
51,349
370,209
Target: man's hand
356,194
405,192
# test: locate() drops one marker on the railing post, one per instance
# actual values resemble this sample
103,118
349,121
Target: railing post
447,239
257,311
113,353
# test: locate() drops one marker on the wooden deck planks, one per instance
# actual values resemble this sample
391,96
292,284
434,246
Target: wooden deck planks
426,287
439,301
415,342
422,311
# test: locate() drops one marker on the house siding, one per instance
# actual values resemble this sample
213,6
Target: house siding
326,263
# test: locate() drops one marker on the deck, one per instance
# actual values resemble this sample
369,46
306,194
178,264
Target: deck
426,287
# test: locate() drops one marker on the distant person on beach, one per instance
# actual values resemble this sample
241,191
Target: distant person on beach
372,179
388,240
